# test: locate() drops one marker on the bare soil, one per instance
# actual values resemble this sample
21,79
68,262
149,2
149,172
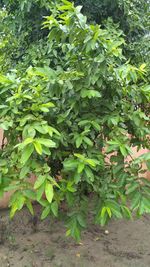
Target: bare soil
25,242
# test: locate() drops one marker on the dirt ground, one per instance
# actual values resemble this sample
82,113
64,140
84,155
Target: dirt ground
24,245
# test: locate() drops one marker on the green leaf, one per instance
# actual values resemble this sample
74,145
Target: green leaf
41,129
80,167
81,220
52,130
29,206
54,208
70,164
89,173
90,94
131,188
84,123
44,109
46,150
48,105
49,192
46,142
6,125
45,212
20,201
4,79
70,187
79,141
26,153
77,178
74,229
93,162
28,141
12,187
24,171
38,147
145,156
126,212
115,208
40,192
39,181
135,200
109,212
123,150
103,219
96,126
103,211
17,202
116,213
146,202
88,141
13,210
142,208
29,194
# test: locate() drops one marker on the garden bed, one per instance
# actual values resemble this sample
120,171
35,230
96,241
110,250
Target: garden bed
31,243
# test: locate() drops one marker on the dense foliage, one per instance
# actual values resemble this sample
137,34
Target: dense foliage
133,17
72,108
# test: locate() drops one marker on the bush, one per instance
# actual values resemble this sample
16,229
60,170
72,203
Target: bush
73,121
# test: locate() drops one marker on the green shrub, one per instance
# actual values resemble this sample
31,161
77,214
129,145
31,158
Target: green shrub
73,122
